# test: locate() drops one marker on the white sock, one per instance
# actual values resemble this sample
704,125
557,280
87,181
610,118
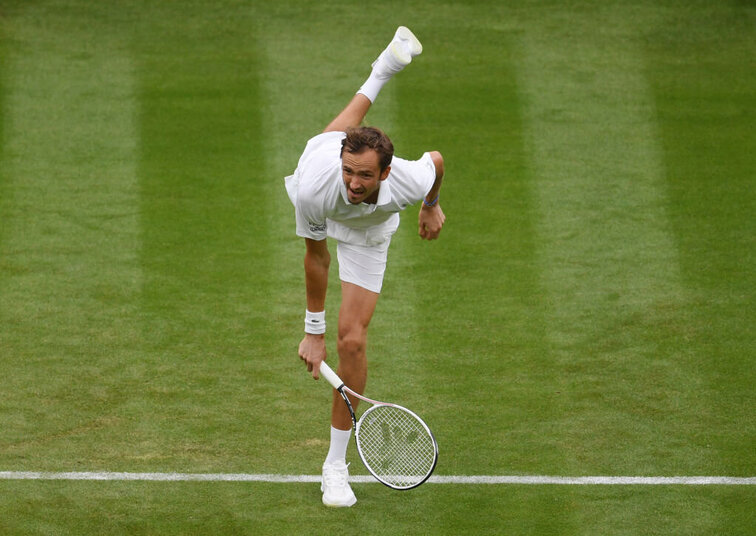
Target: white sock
373,85
339,444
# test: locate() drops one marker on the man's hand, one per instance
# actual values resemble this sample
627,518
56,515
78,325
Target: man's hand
312,350
430,221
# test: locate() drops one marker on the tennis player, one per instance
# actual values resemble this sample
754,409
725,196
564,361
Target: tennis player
350,187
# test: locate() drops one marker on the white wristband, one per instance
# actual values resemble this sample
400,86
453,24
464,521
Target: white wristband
315,323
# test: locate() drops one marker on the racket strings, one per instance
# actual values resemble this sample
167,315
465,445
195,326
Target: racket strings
396,446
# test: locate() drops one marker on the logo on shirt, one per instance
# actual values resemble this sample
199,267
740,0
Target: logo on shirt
317,227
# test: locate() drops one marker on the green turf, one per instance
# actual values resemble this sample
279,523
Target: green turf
160,508
588,310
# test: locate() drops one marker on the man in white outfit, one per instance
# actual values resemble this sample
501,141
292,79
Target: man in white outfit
350,187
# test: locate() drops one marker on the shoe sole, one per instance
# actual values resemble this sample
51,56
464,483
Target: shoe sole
346,505
405,34
399,54
401,58
337,505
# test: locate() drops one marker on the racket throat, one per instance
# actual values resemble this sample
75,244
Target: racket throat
348,404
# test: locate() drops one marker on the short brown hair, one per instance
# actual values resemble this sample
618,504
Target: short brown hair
359,139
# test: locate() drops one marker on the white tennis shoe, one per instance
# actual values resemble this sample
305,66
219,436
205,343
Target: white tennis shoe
335,485
398,54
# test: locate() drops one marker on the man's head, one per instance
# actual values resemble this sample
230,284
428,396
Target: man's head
366,154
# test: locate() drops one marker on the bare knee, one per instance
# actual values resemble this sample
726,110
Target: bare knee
351,344
352,359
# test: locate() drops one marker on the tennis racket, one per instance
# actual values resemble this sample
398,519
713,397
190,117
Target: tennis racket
395,445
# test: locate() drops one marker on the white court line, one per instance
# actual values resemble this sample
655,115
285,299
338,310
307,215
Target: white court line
461,479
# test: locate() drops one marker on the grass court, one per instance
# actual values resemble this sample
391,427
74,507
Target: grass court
588,310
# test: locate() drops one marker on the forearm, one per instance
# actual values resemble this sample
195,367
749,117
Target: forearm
316,279
316,262
431,218
431,198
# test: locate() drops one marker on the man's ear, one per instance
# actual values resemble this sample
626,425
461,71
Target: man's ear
385,174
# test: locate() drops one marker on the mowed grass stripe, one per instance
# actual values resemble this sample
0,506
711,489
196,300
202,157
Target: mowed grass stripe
69,273
5,188
477,324
212,343
599,178
297,105
204,204
706,107
610,269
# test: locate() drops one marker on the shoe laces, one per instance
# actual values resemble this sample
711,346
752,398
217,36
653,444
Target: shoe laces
336,475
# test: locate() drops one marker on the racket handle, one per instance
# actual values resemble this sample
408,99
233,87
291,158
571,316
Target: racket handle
330,375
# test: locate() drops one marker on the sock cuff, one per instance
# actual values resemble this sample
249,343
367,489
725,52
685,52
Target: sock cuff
372,86
341,434
339,444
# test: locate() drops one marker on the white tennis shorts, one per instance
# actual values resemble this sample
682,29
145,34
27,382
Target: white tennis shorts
363,266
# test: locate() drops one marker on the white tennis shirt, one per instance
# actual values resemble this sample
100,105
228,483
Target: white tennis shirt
322,207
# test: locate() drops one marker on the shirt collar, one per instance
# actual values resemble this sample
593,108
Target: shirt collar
384,193
343,190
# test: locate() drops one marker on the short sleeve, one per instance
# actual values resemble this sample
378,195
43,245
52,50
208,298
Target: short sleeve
310,216
411,180
317,184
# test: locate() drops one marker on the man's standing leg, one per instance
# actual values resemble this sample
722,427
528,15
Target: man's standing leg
357,307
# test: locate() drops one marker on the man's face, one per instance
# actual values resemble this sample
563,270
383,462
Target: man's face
362,176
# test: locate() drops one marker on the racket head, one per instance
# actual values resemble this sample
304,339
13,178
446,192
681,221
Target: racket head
396,446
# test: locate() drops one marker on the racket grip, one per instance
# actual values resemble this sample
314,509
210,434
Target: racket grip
330,375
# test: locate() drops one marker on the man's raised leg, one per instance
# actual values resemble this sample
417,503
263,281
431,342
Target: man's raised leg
395,57
352,115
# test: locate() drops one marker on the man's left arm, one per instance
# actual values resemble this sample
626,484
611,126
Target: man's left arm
431,218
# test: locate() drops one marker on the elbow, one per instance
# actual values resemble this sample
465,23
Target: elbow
438,162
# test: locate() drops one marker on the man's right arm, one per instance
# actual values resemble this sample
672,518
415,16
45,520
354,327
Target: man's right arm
316,263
